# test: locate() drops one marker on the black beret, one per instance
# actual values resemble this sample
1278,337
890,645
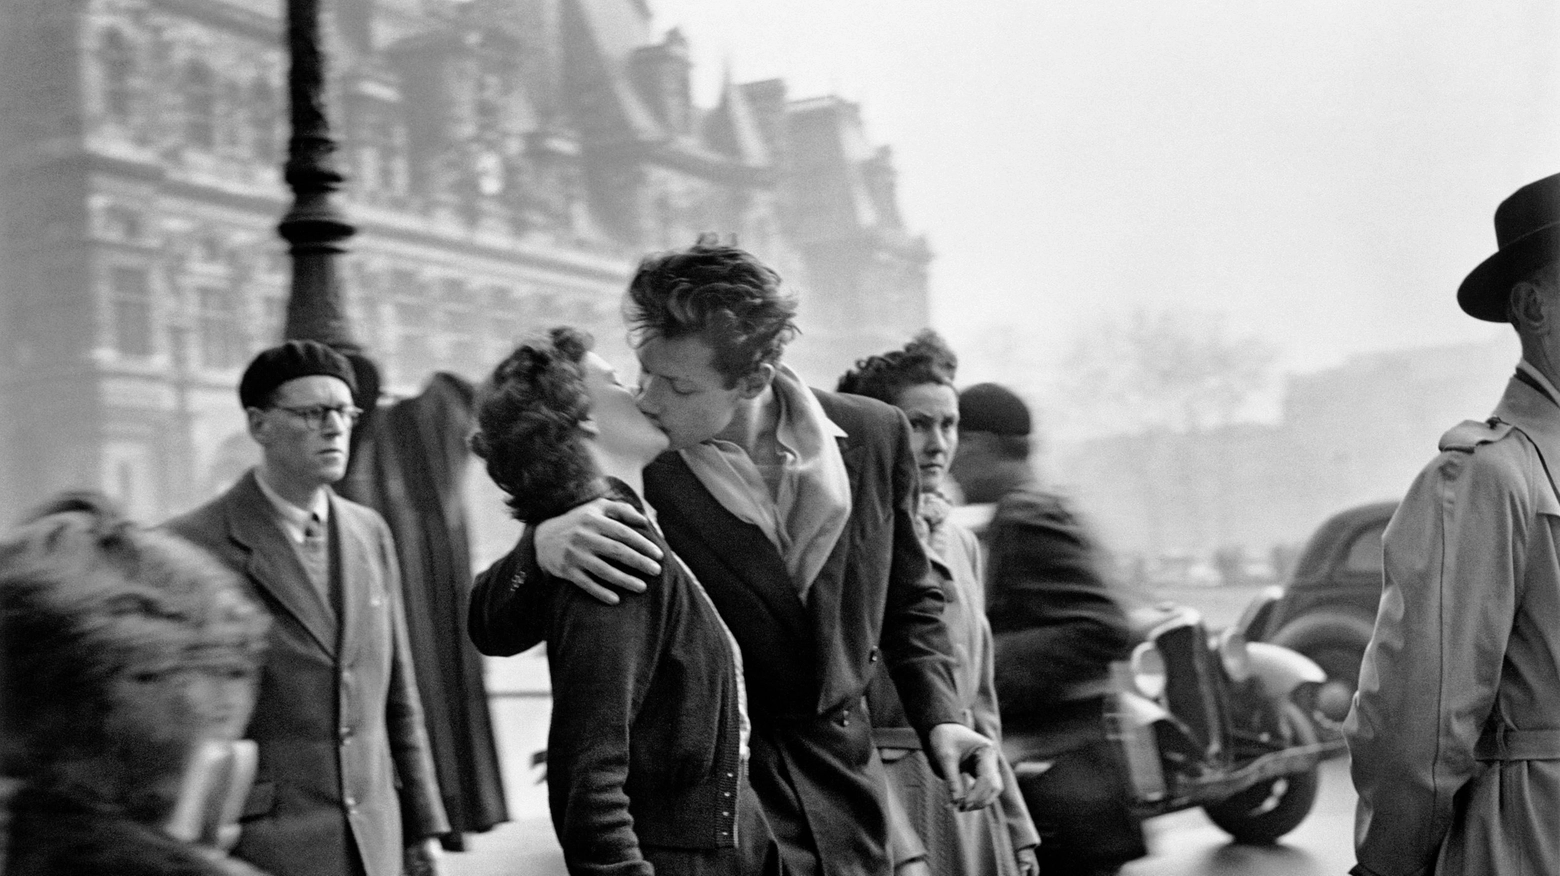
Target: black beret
987,407
289,361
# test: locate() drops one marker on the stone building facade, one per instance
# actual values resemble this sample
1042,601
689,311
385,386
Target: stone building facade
508,161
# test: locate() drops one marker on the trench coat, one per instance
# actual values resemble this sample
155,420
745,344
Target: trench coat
344,756
1455,730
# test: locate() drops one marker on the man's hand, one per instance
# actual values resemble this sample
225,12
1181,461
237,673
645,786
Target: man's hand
424,858
577,545
969,765
1028,861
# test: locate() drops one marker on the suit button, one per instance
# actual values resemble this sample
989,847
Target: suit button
845,717
873,656
351,803
346,734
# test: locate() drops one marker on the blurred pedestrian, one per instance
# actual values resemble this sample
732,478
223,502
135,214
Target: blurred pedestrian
1057,628
794,507
999,840
344,760
1453,735
647,749
122,651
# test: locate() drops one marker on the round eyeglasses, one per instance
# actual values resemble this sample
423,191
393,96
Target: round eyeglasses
313,416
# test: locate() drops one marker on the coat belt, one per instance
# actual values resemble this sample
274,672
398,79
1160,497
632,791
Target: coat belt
1506,743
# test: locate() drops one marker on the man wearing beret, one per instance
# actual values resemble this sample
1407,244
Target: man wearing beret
1056,628
1455,732
344,757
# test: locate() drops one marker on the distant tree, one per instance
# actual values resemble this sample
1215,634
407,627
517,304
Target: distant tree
1174,370
1165,378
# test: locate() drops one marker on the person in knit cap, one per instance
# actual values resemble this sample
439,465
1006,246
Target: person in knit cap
345,784
927,835
122,651
1057,628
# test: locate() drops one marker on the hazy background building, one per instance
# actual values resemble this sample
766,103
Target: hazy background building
508,162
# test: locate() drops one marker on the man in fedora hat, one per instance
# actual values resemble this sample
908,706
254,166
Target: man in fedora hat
1455,731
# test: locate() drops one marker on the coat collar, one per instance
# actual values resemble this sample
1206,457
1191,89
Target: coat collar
273,562
1535,414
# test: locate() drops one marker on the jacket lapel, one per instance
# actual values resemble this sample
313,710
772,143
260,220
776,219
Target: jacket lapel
823,600
360,597
757,563
273,563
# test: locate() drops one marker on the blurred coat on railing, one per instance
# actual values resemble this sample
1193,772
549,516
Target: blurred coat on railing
408,465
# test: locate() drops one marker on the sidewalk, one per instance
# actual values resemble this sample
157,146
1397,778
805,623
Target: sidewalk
520,848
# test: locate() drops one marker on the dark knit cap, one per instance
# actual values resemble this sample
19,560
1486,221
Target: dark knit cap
987,407
289,361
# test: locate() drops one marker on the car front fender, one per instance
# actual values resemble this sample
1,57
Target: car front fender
1278,670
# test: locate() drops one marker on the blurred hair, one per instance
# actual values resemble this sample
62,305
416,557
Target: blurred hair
716,292
926,359
528,426
89,600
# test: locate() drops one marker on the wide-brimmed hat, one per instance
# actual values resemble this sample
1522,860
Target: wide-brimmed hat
1527,230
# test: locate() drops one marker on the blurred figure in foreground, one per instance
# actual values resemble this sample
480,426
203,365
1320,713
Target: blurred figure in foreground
999,840
1453,736
1057,629
345,784
123,653
647,749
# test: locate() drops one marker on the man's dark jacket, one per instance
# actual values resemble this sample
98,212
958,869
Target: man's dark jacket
344,757
807,665
1055,625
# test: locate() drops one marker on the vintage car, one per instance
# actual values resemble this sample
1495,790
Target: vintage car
1327,608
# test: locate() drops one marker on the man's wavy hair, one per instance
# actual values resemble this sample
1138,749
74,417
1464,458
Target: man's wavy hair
528,426
926,359
719,293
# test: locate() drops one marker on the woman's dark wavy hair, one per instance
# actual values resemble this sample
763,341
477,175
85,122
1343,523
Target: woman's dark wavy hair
926,359
720,293
528,426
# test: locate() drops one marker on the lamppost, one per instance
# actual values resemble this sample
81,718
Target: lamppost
315,227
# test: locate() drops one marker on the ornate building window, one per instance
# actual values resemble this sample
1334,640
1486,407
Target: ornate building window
130,296
116,62
263,111
463,330
505,324
414,359
200,106
217,325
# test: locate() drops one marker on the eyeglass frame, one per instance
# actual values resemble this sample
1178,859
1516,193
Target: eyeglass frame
313,416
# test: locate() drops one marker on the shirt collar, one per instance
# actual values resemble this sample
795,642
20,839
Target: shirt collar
1527,368
293,514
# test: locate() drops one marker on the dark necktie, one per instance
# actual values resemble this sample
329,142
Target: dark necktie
316,557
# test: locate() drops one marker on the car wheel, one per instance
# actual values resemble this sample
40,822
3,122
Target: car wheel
1266,811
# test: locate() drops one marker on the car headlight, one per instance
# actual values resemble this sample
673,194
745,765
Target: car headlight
1148,670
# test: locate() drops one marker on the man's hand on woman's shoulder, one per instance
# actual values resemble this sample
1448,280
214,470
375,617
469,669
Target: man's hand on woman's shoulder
582,544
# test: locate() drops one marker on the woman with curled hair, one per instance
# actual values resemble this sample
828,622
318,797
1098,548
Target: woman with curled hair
926,834
647,749
123,650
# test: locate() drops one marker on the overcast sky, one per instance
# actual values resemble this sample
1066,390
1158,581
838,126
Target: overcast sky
1324,173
